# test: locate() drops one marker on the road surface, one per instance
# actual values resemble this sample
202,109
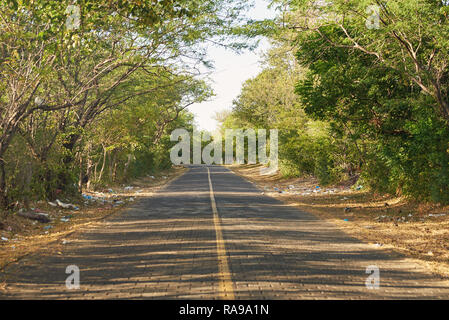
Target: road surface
212,235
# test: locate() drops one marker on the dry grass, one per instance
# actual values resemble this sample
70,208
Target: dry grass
392,222
26,237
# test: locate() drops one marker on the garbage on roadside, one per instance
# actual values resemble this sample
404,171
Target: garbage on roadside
437,215
378,245
87,197
129,188
48,227
38,216
4,239
67,205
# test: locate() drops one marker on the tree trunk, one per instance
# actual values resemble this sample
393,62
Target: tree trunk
89,166
3,195
81,174
103,165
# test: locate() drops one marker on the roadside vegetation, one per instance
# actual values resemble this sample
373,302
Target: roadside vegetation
364,105
90,90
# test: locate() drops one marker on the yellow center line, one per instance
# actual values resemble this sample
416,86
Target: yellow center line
225,282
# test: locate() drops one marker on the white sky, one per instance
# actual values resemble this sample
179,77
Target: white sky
231,71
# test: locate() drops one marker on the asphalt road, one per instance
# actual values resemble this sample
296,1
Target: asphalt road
212,235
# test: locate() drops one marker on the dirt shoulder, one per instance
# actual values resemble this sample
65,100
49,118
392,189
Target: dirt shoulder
418,230
21,237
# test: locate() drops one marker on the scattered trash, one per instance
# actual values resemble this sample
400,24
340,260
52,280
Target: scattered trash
65,220
41,217
65,242
378,245
152,177
359,188
129,188
344,199
5,239
48,227
52,204
67,205
430,253
437,215
139,191
346,220
87,197
131,199
348,210
369,227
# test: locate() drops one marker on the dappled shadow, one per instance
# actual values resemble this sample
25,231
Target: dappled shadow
165,248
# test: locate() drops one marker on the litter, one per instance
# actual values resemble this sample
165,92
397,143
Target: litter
41,217
5,239
67,205
359,188
87,197
129,188
378,245
346,220
65,220
48,227
437,215
52,204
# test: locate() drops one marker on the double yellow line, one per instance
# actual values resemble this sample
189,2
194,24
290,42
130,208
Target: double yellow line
225,282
